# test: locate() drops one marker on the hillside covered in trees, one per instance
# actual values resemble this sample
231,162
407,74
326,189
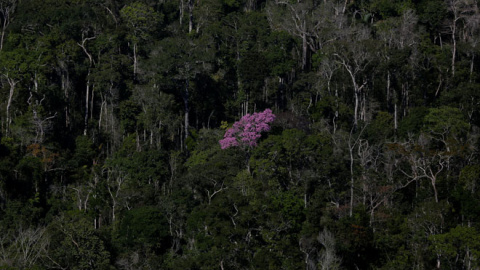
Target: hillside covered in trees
363,152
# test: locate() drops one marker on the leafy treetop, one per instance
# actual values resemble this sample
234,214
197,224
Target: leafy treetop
248,130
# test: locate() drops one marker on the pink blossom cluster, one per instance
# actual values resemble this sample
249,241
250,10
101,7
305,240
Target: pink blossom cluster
248,130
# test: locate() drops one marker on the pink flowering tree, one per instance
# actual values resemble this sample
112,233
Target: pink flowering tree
246,132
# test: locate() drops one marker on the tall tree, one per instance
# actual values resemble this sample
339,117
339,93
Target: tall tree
184,59
142,21
7,10
355,56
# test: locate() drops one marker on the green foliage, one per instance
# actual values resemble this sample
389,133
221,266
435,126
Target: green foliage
145,172
446,121
84,152
387,9
128,114
148,196
291,209
277,54
76,244
413,123
459,241
333,110
432,13
466,194
381,128
141,19
145,228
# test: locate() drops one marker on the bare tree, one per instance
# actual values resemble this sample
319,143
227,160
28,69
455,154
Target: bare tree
23,249
461,11
116,180
423,163
355,57
42,124
375,191
328,259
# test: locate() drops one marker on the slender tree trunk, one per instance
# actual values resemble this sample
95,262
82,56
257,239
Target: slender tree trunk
6,11
395,123
471,66
65,83
87,101
190,15
181,12
4,26
135,60
344,7
101,113
12,84
355,112
304,52
187,108
352,180
91,101
388,90
454,49
356,88
435,192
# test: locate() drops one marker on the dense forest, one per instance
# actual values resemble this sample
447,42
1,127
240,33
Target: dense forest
112,114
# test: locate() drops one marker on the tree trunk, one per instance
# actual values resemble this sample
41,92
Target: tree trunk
304,52
87,101
135,60
6,11
187,108
435,193
352,180
471,67
4,26
388,91
190,15
454,48
65,84
395,123
181,12
355,112
12,84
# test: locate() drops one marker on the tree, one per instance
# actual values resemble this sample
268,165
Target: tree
183,59
76,244
247,131
355,58
459,247
142,20
431,152
460,11
400,45
16,66
448,126
299,19
145,228
24,248
7,9
157,117
328,259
